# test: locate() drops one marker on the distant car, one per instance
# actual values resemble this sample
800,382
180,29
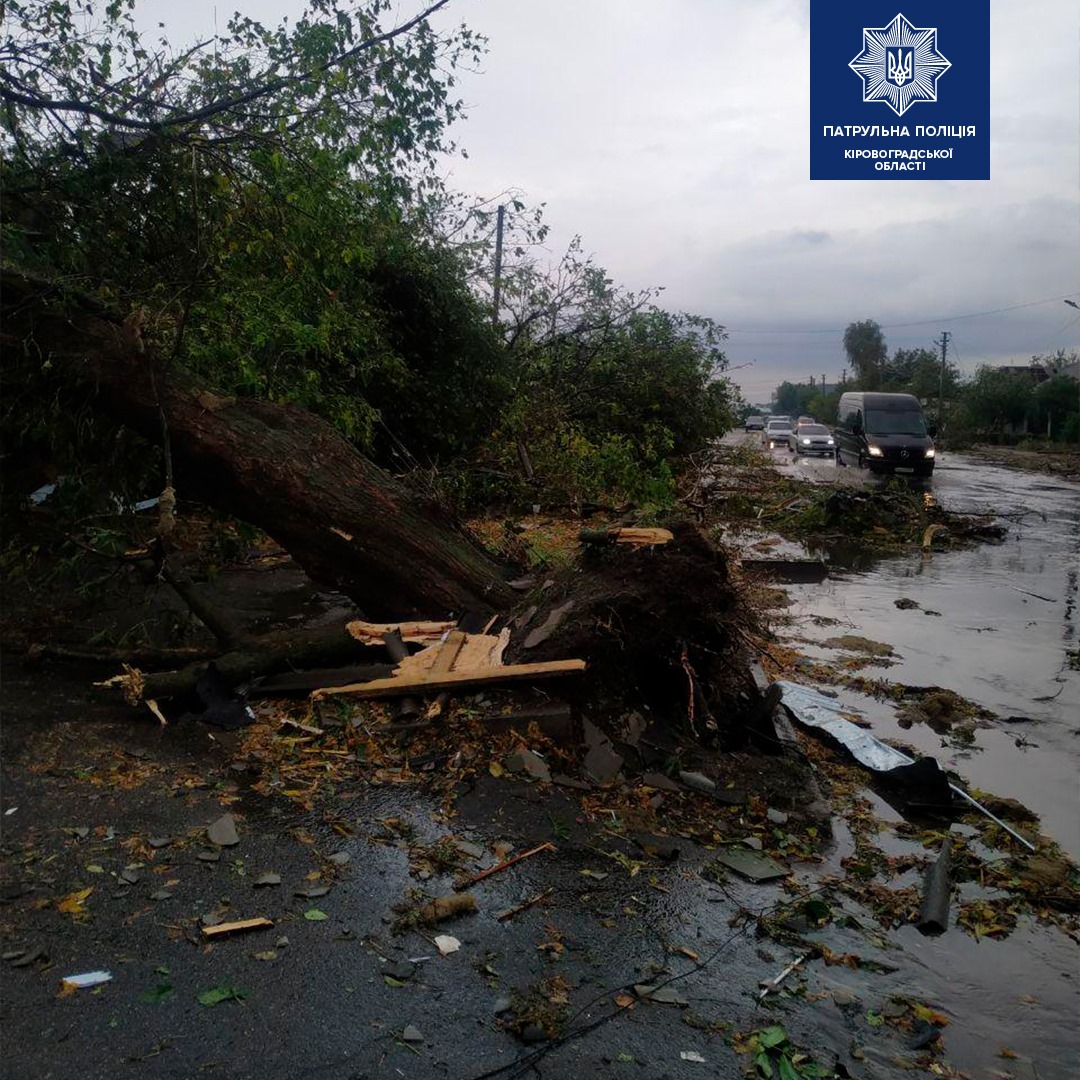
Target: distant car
805,420
812,439
754,423
776,433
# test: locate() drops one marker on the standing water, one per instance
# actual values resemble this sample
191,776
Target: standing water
1006,627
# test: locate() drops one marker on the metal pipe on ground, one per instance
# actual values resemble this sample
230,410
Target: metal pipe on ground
934,913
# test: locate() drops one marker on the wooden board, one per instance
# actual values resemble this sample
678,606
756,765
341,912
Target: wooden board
430,682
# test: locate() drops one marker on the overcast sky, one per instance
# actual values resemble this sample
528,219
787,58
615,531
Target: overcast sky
674,137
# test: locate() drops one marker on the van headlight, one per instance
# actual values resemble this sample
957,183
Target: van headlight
874,451
805,442
929,453
829,442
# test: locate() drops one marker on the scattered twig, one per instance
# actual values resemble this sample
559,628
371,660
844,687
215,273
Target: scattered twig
236,927
509,913
505,864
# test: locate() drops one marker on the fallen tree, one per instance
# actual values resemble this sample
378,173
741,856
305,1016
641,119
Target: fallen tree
348,523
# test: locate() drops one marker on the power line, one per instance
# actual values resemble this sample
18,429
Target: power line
919,322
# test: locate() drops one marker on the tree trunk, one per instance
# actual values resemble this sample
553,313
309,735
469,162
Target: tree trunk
348,523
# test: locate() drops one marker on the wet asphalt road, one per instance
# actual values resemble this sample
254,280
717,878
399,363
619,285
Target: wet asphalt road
322,1008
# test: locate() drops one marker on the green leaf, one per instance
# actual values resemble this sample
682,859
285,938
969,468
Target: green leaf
218,994
764,1064
772,1036
874,1019
160,993
315,915
787,1070
391,981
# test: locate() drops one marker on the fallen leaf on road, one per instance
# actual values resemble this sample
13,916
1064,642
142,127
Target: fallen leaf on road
72,904
218,994
160,994
315,915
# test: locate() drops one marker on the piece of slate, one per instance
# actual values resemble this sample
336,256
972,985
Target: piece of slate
223,831
311,892
752,864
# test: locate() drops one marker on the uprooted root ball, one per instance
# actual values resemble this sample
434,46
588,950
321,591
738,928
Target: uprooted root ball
658,627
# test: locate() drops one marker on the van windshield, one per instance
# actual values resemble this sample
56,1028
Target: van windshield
896,422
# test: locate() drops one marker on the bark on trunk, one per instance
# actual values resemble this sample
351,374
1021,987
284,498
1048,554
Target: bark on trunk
346,521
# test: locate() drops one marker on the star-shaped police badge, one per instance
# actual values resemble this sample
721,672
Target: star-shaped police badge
900,64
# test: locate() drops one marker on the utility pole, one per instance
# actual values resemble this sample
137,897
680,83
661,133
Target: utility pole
941,380
823,382
497,286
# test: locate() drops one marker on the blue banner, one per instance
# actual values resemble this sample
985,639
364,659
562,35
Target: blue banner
900,90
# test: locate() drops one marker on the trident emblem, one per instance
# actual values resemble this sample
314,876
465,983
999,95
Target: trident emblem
899,65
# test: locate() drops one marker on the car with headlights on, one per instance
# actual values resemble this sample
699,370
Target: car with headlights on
812,439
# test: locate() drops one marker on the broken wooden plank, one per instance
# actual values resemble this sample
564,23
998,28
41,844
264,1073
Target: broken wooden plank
448,652
427,682
222,929
423,633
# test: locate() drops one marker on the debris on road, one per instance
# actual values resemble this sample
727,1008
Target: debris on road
934,913
509,913
750,864
223,832
238,927
473,879
772,984
443,908
446,944
86,980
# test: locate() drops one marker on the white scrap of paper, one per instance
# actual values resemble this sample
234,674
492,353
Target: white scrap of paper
447,944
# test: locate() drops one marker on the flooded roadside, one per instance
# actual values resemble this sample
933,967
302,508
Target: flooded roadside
994,623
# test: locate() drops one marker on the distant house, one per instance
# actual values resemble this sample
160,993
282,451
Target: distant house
1036,372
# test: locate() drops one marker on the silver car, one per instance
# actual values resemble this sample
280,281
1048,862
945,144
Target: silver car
812,439
776,433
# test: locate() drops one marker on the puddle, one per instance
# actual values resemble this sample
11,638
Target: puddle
1007,618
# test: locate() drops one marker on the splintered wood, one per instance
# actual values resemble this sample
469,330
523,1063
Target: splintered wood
453,680
459,652
456,660
423,633
635,537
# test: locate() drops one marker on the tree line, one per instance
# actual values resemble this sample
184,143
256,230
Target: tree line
994,402
266,209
